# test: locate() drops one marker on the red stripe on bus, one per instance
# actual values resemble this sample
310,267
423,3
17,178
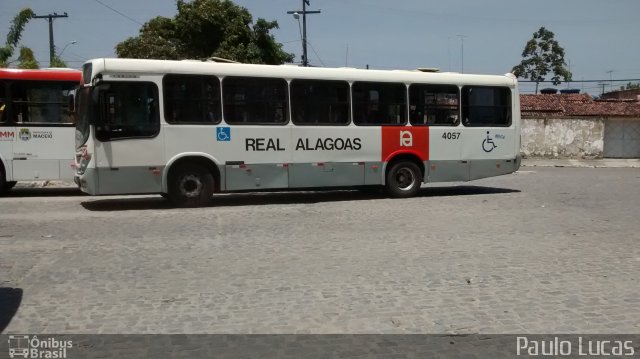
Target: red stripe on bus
405,139
41,75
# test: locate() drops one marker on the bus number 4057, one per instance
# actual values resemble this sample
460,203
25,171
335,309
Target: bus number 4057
451,135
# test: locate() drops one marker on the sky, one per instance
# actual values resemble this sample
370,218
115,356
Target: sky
601,38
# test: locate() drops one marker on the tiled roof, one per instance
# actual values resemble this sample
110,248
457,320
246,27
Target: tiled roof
572,105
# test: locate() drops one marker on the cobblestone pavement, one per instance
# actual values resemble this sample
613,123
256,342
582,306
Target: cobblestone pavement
544,250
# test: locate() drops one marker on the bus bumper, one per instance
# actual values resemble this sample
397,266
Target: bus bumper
88,181
517,162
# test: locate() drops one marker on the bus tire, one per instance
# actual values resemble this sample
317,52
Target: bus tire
3,183
403,179
190,185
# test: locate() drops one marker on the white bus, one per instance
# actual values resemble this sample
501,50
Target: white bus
188,129
36,125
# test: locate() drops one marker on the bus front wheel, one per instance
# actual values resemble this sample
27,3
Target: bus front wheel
403,179
4,184
190,185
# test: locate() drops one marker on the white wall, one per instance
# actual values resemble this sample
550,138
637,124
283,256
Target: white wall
563,138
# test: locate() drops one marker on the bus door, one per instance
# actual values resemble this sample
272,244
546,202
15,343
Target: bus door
129,150
44,133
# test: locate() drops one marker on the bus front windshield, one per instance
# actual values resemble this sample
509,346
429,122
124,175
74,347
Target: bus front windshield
83,113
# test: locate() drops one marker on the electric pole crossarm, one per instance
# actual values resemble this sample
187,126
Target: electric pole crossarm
50,17
304,13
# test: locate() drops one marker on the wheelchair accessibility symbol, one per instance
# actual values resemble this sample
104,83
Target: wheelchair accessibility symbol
223,134
488,145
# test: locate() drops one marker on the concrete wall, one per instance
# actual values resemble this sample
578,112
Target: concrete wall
563,138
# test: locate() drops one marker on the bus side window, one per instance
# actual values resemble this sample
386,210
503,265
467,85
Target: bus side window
255,100
486,106
434,105
191,99
379,103
320,102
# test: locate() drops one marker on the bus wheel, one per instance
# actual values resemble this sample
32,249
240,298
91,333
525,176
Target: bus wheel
4,185
403,179
190,185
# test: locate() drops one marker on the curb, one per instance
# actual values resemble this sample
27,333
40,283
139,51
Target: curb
600,163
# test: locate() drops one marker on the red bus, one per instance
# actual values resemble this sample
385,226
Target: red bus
36,125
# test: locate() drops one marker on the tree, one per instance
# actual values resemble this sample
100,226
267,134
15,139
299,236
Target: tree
57,62
27,60
541,55
15,33
206,28
630,86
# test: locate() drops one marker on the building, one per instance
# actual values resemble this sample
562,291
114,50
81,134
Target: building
578,126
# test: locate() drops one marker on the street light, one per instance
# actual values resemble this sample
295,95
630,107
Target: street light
65,47
296,15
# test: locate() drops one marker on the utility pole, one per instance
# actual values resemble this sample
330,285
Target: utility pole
296,15
462,50
52,45
610,72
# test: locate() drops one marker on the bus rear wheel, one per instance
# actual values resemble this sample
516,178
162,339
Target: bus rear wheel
403,179
190,185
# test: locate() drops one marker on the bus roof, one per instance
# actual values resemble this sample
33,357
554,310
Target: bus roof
53,74
140,66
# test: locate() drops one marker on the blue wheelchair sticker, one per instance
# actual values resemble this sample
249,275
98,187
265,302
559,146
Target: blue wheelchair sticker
223,134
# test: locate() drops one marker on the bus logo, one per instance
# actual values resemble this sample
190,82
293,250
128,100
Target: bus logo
223,134
25,134
406,139
7,135
18,346
25,346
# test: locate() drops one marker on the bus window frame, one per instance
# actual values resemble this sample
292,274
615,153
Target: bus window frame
99,95
165,97
368,123
421,87
286,107
10,106
322,124
464,106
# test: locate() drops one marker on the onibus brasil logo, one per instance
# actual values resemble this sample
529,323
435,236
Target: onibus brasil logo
32,347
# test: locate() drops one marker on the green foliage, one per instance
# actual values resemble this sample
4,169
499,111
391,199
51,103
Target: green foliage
27,60
57,62
206,28
631,86
541,55
15,33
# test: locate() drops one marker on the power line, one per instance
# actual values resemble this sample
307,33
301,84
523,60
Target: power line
314,51
118,12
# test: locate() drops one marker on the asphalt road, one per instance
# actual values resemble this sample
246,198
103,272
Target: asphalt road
545,250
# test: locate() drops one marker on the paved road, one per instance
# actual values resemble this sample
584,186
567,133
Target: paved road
544,250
